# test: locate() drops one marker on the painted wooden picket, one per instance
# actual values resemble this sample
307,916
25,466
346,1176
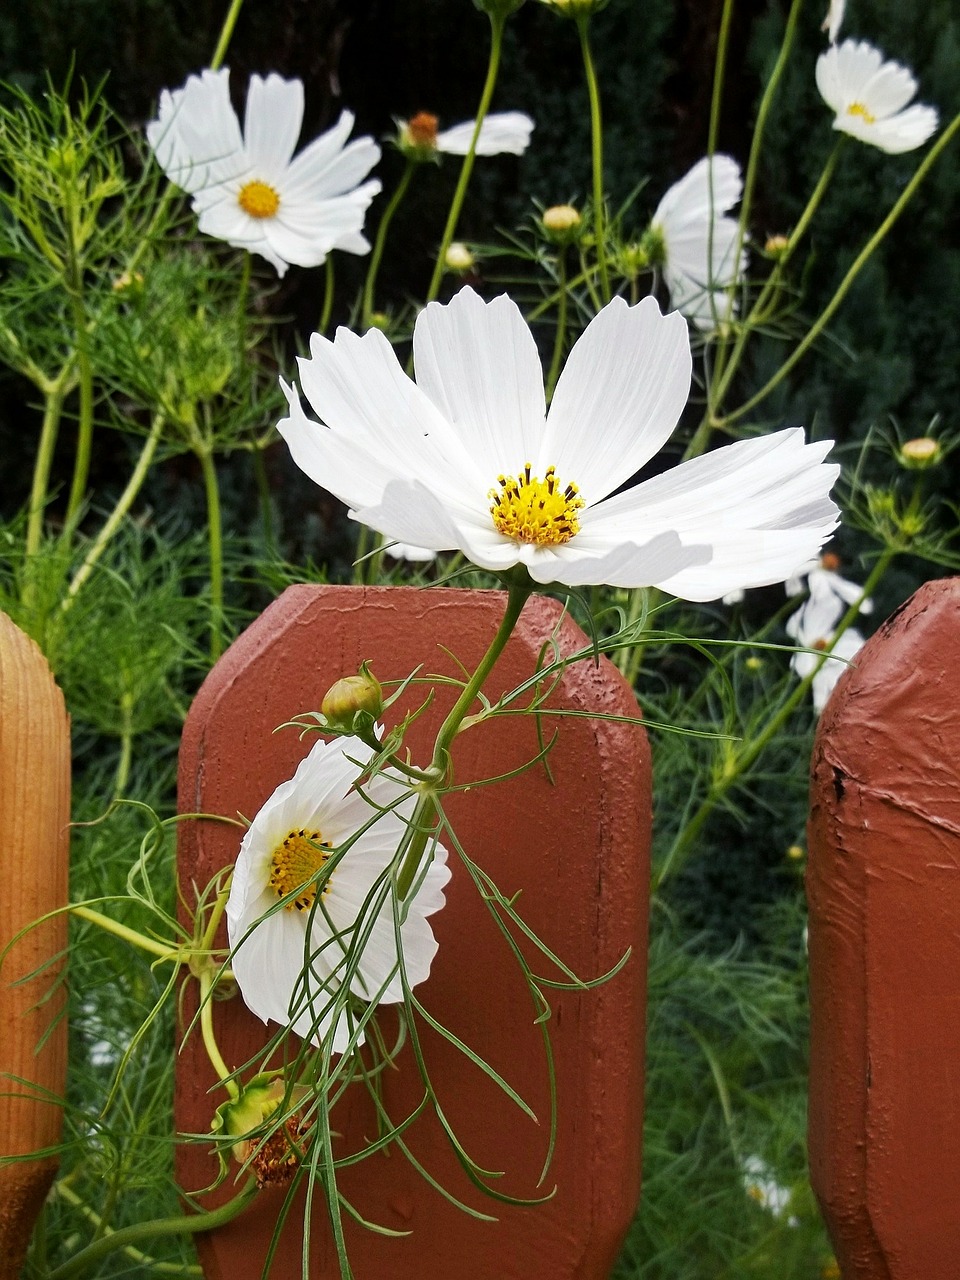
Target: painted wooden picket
577,853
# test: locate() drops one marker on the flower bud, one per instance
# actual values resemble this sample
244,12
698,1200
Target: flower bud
919,454
576,8
776,246
459,258
498,8
350,697
561,223
417,137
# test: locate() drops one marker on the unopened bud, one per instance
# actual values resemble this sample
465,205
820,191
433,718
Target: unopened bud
459,258
576,8
562,223
776,245
417,137
795,852
350,697
830,561
917,455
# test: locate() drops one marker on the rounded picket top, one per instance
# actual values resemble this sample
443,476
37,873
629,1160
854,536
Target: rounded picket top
573,845
34,857
883,885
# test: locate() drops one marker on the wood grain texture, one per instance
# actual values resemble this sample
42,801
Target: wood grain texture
578,855
883,885
34,853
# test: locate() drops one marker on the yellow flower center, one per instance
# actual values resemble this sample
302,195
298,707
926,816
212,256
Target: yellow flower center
858,109
534,510
295,861
258,199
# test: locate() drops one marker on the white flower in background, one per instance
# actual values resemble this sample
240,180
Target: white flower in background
762,1186
248,189
283,974
467,459
503,133
698,242
870,98
834,19
813,626
824,583
406,551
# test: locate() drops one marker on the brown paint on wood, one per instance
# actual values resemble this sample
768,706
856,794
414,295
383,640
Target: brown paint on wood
34,852
577,853
883,885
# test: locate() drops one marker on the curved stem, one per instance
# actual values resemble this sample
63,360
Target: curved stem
226,33
123,505
54,395
497,23
81,1262
209,1036
424,816
128,935
596,133
215,544
560,341
376,255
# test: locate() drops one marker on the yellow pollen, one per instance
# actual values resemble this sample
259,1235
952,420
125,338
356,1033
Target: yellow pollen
533,510
295,861
858,109
259,200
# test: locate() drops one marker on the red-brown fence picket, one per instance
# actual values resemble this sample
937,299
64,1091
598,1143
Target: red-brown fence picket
884,893
577,853
34,820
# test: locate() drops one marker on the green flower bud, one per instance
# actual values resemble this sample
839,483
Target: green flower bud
459,258
562,223
352,697
919,454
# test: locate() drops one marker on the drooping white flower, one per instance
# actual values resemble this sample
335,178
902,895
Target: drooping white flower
834,19
870,98
291,964
826,586
249,189
467,459
502,133
813,626
698,241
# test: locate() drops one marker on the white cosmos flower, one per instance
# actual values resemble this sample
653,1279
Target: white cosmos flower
814,627
248,188
698,241
502,133
826,586
283,974
466,458
870,98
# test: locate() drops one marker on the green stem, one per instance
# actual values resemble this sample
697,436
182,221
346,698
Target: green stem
846,284
497,24
596,134
753,749
123,505
64,1192
81,465
560,341
226,33
264,497
519,589
209,1036
81,1263
54,394
376,255
719,68
328,292
129,935
215,544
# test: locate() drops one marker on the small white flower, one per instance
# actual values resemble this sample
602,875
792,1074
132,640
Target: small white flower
813,626
502,133
467,458
762,1186
834,19
248,188
283,974
870,98
824,583
698,241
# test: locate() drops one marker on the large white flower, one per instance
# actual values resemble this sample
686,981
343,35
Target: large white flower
698,242
467,458
504,132
814,627
290,965
870,98
247,188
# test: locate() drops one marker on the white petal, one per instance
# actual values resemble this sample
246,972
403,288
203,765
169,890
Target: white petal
321,171
478,363
619,397
196,136
711,187
271,124
506,131
581,562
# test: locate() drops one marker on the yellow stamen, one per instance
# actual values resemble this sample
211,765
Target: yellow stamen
259,200
533,510
296,860
858,109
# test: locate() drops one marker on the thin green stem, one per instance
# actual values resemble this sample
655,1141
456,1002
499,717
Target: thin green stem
751,750
596,149
497,24
425,814
54,395
719,69
82,1262
328,292
560,341
206,979
847,282
123,505
226,34
140,940
215,548
376,255
64,1192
